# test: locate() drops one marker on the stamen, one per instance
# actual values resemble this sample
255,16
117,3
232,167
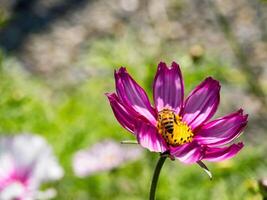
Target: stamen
174,131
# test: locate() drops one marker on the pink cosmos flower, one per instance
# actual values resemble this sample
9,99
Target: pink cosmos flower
176,126
26,161
103,156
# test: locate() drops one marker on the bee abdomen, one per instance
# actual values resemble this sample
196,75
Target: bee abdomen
168,126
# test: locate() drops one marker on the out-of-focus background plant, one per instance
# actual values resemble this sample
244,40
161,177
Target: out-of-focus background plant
57,61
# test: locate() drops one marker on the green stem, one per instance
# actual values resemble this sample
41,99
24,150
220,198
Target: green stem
156,177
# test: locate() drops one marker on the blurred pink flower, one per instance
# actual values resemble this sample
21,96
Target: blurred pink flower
103,156
26,161
177,127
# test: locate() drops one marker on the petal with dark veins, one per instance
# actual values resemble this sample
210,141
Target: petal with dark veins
134,96
223,130
202,103
168,87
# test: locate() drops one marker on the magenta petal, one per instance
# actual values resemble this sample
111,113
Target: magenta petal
149,137
202,103
168,87
126,118
132,95
220,154
222,131
187,153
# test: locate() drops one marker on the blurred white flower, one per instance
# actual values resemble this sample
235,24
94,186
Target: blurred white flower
26,161
103,156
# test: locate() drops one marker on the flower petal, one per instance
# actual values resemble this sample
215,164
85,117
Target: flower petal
168,87
124,116
220,154
149,137
33,159
132,95
188,153
103,156
202,103
222,131
7,168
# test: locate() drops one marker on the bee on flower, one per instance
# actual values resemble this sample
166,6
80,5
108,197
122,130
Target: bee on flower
176,126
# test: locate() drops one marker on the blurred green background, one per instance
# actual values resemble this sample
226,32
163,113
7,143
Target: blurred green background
57,60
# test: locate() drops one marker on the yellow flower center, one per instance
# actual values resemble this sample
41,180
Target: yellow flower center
173,129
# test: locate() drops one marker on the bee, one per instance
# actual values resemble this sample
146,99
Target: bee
172,129
166,122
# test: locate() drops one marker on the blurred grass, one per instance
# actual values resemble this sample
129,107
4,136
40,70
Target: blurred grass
72,117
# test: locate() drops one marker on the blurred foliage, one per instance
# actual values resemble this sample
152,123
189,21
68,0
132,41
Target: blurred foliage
129,52
3,17
72,117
